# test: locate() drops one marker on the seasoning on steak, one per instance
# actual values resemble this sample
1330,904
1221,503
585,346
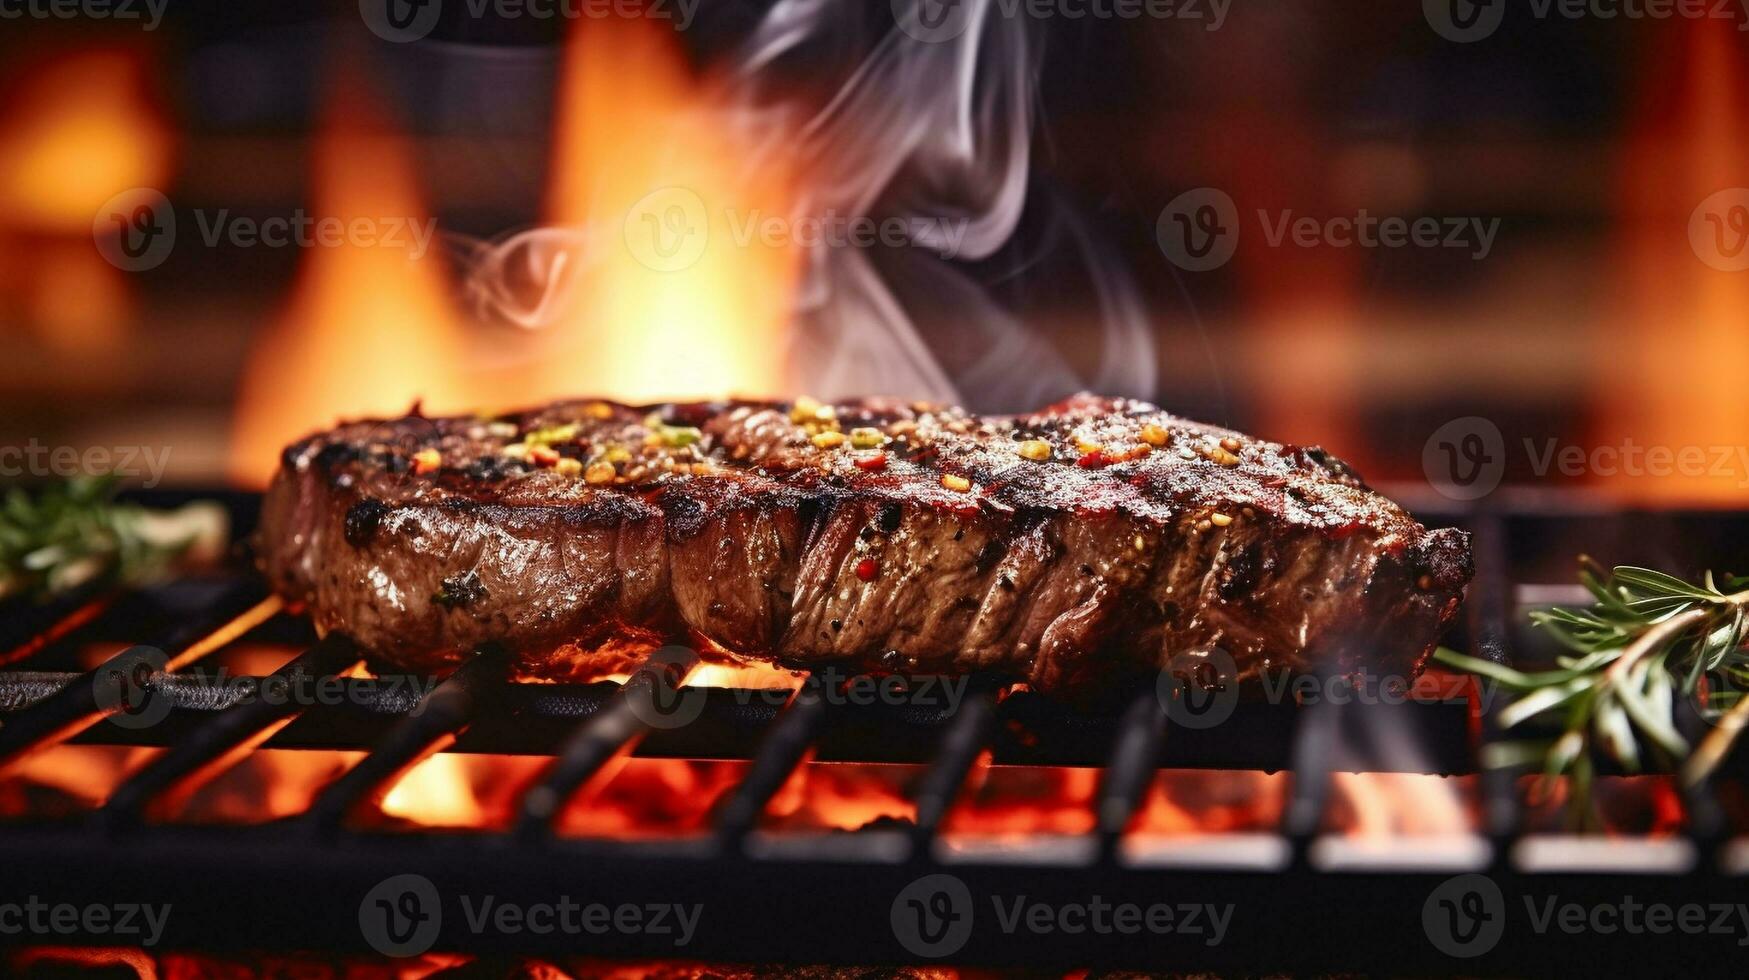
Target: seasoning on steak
1077,548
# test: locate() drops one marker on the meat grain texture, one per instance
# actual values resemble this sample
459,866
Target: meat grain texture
879,535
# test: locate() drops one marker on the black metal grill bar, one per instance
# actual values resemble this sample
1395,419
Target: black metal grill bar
607,733
448,708
964,740
785,748
1130,773
34,629
1315,747
87,697
232,729
217,874
538,719
235,892
1488,611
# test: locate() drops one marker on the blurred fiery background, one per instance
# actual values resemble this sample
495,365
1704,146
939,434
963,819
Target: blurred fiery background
1600,314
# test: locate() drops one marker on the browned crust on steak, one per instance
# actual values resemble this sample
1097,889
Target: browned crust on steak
1074,573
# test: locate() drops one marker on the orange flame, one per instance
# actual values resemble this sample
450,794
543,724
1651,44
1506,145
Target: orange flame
76,130
1673,380
368,330
696,311
676,299
436,792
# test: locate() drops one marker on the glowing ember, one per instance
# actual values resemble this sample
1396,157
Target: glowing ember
1193,801
1004,801
652,798
269,784
66,779
436,792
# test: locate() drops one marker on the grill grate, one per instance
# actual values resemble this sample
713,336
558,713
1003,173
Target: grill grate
830,897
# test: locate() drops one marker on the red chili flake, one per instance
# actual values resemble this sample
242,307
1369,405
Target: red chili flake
867,569
542,455
1092,461
873,463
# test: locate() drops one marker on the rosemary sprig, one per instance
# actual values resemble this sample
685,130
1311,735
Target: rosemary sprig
74,533
1647,639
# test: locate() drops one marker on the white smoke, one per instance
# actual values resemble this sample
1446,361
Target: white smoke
935,134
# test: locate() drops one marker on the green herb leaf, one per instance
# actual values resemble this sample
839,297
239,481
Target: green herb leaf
1647,638
75,534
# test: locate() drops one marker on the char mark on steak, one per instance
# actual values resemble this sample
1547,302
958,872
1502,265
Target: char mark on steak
1077,548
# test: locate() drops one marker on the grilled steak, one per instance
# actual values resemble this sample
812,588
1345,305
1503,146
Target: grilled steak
1077,548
